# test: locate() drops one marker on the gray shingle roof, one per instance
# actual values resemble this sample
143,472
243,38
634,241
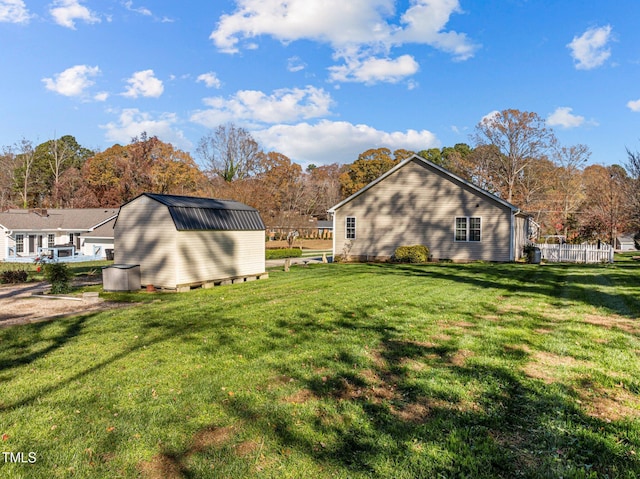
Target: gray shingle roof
191,213
71,219
103,231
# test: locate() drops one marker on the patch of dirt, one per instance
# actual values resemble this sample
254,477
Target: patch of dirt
547,366
246,448
543,331
609,404
26,303
172,466
460,357
461,324
441,337
415,412
161,466
613,321
208,438
300,397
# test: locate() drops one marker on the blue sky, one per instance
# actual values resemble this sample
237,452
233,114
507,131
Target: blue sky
319,80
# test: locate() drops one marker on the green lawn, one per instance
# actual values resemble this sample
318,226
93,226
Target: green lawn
338,370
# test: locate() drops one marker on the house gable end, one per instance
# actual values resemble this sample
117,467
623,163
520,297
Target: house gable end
436,169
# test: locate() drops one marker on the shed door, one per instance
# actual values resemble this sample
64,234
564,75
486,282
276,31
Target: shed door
32,244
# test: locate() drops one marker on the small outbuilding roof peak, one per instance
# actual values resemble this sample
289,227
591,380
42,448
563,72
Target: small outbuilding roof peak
198,202
190,213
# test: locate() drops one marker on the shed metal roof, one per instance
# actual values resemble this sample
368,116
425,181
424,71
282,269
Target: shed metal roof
191,213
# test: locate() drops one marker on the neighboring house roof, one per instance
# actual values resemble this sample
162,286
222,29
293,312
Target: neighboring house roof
191,213
103,231
70,219
325,224
432,165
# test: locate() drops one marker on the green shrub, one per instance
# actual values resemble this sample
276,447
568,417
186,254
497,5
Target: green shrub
59,275
411,254
283,253
13,276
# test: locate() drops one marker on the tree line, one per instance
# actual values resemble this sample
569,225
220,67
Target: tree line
513,155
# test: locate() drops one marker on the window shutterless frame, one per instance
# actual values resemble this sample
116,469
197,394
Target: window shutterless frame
350,227
19,243
468,229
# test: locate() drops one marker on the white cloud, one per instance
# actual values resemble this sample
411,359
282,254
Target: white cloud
295,64
355,29
141,10
333,21
66,12
425,21
210,79
252,106
13,11
490,116
132,122
101,96
634,105
563,117
373,70
590,50
73,81
144,83
338,142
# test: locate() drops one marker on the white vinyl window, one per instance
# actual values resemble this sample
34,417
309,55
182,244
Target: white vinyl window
350,232
468,229
19,243
51,240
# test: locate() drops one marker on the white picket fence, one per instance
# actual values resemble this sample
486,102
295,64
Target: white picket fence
576,253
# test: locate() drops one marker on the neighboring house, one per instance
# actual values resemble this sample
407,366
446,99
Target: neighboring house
419,202
325,229
100,238
625,243
23,233
181,241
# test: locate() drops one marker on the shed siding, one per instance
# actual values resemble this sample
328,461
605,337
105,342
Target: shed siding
145,235
212,255
418,205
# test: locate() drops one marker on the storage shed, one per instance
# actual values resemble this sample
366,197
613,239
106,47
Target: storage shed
625,243
182,242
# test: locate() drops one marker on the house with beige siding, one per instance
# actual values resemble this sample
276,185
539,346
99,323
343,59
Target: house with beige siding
180,242
419,202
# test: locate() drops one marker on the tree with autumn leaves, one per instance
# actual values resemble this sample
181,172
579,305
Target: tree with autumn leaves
121,173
